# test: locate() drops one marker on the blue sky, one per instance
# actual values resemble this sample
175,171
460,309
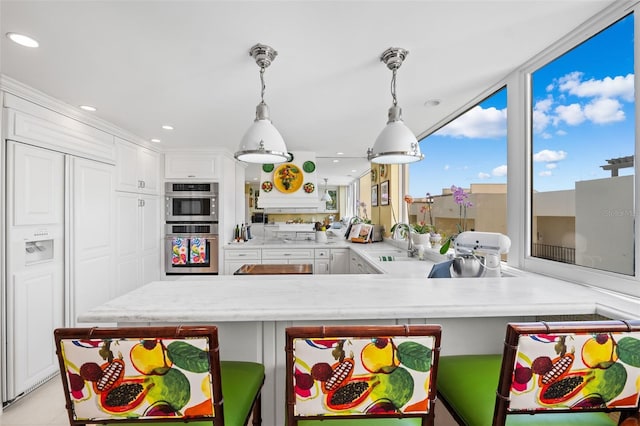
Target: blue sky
583,115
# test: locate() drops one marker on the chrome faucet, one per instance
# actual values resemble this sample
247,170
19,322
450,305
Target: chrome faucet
411,250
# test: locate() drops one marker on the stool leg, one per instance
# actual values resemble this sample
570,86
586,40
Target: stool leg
257,411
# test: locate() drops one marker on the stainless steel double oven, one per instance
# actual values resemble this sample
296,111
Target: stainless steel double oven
191,228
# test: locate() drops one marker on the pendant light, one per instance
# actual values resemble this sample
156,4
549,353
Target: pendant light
262,143
326,197
396,144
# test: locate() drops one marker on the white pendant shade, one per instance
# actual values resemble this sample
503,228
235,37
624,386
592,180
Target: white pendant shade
396,144
326,197
262,143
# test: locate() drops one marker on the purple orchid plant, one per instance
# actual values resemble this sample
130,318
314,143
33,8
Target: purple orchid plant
461,198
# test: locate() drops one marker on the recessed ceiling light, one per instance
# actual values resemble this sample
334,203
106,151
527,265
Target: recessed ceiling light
353,171
339,153
88,108
156,140
23,40
432,102
336,161
167,127
255,178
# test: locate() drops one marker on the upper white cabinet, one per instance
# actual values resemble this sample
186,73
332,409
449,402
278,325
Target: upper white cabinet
137,168
191,166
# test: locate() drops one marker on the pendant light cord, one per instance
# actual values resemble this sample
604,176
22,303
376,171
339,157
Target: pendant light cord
262,84
393,87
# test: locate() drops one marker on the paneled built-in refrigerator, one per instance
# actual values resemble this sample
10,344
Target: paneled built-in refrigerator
59,244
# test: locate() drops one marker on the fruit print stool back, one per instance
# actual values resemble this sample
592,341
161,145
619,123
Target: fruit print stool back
361,375
556,373
126,376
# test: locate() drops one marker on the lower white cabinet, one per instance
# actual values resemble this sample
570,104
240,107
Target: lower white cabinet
357,265
288,256
339,261
138,240
322,261
234,259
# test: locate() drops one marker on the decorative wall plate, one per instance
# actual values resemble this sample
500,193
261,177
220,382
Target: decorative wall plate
309,166
308,187
267,168
267,186
384,171
374,175
288,178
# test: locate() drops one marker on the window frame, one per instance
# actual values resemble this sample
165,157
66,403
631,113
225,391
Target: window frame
519,144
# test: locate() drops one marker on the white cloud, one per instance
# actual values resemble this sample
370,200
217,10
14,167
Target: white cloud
561,133
604,110
547,155
545,173
500,170
477,123
551,166
549,87
570,114
483,175
446,167
618,86
546,135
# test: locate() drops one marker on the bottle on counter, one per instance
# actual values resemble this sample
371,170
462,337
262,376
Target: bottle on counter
248,232
243,233
236,233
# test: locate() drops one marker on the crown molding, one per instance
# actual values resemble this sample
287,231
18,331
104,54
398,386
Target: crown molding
28,93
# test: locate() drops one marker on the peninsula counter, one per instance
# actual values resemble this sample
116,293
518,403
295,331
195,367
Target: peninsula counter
253,311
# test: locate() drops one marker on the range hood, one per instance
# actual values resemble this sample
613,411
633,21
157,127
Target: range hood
291,185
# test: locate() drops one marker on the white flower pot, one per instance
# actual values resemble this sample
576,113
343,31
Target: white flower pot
421,239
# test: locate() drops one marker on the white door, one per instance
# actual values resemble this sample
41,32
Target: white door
35,265
127,242
92,236
151,241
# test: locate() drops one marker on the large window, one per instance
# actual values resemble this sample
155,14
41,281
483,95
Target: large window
470,152
583,140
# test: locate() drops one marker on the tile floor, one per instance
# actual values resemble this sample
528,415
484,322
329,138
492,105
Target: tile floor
45,406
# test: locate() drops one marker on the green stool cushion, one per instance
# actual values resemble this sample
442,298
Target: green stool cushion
241,382
362,422
468,383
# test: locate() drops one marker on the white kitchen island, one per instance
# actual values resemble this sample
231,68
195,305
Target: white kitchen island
253,311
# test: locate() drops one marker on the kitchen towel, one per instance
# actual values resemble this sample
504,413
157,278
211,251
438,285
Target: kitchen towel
198,251
179,251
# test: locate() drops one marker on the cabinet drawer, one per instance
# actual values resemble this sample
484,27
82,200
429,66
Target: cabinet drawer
322,254
288,254
242,254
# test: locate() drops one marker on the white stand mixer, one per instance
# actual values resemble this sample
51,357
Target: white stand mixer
477,254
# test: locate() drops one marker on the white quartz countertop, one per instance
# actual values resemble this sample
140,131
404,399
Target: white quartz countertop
335,297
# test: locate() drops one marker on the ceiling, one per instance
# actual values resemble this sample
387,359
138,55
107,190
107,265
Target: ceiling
146,63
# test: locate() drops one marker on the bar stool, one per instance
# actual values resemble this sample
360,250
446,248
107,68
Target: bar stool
361,375
173,375
553,374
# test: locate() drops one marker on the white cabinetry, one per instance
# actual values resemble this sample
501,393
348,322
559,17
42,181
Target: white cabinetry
137,168
234,259
357,265
339,261
288,256
191,166
322,261
92,239
138,240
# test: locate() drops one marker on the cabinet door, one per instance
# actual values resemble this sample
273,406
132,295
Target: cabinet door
137,168
127,167
127,242
321,266
150,238
38,185
92,236
189,166
149,166
339,261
